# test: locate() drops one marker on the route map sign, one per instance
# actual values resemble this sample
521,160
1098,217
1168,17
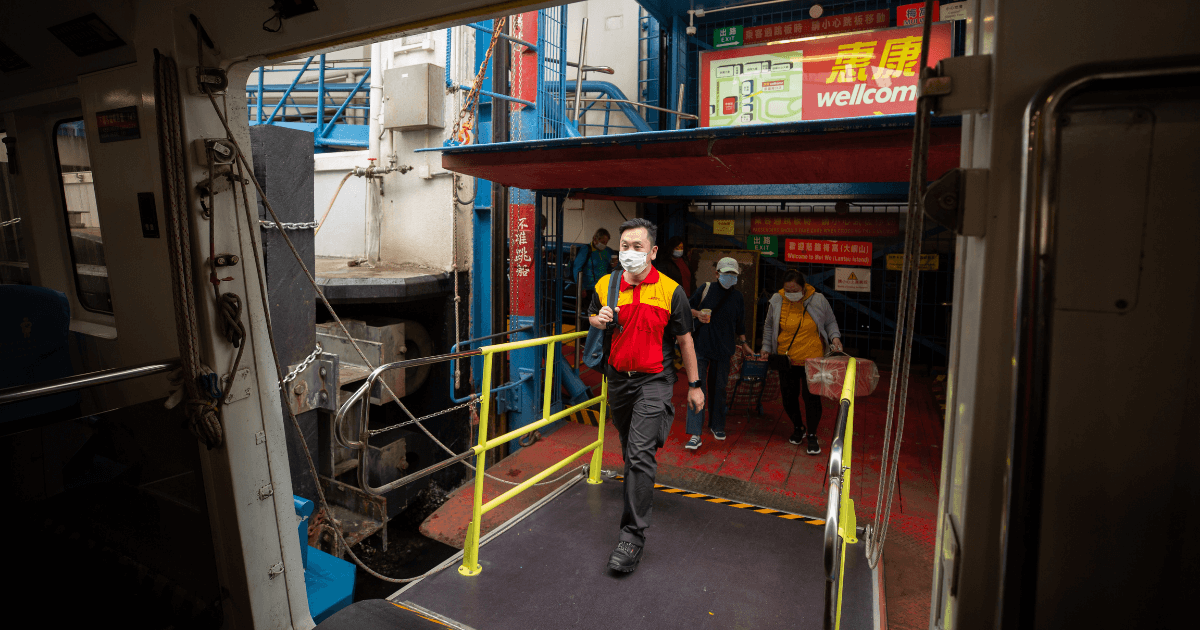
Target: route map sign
871,73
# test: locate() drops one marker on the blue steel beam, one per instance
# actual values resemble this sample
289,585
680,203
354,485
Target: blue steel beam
288,91
366,75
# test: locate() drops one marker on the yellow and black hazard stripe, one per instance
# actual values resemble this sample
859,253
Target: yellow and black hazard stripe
590,417
811,520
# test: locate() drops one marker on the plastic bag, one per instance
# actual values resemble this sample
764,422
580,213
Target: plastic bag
826,375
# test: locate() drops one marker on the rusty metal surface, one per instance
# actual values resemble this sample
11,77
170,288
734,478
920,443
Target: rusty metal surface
315,387
355,512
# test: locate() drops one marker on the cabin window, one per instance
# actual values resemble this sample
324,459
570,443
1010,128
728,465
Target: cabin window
83,221
14,266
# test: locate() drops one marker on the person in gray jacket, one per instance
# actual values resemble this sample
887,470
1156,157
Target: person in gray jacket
800,324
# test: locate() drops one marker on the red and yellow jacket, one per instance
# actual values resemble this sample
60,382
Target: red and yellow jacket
651,315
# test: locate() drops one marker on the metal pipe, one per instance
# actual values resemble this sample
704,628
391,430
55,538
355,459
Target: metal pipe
622,100
91,379
510,38
258,104
288,92
578,318
582,70
503,97
679,105
321,98
341,109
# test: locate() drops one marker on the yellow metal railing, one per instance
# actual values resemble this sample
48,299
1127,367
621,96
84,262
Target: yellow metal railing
470,565
841,527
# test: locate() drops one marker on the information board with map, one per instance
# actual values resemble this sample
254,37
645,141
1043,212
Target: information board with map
867,73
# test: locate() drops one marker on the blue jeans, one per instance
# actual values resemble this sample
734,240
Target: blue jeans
715,374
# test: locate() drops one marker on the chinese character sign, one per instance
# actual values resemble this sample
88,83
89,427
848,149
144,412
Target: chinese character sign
522,252
829,25
727,36
850,253
848,226
914,14
860,74
768,245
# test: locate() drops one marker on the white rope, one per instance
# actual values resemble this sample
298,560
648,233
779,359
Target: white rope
311,225
10,222
905,316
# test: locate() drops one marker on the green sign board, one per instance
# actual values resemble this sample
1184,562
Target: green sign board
727,36
768,245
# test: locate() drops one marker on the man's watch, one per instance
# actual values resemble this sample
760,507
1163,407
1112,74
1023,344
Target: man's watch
694,384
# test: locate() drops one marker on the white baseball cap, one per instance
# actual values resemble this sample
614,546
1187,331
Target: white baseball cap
728,265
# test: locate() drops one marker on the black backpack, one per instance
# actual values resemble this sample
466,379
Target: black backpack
598,342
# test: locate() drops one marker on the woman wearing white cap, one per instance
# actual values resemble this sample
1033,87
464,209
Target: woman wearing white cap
721,314
799,325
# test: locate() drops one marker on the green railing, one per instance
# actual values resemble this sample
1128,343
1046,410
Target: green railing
470,565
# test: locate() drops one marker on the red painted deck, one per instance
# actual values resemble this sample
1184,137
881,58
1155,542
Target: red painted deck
757,451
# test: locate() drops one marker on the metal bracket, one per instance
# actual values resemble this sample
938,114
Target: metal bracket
961,85
214,79
316,387
276,569
265,492
958,200
513,396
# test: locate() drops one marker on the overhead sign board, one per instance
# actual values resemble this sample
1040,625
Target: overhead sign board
845,76
768,245
914,14
927,262
727,36
828,25
852,253
846,226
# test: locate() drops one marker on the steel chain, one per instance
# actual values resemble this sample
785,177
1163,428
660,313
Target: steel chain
311,225
432,415
291,376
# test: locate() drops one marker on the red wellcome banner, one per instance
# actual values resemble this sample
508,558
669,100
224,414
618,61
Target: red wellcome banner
843,76
855,225
846,253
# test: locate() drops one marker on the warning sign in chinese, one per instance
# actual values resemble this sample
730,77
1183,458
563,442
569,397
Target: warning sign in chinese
851,279
855,225
860,74
914,14
853,253
927,262
823,26
723,227
520,263
768,245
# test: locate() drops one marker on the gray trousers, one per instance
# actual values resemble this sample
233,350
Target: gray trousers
642,412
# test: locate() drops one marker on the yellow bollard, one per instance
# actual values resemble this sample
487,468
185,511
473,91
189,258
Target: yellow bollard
470,565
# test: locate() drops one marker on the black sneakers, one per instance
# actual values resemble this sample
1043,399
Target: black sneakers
813,447
797,436
625,557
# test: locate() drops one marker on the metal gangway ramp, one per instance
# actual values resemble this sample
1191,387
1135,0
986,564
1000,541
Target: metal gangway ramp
707,560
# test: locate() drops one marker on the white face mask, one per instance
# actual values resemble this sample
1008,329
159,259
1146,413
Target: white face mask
678,253
795,297
633,262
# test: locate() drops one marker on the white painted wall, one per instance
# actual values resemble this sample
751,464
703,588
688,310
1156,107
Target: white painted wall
612,41
580,225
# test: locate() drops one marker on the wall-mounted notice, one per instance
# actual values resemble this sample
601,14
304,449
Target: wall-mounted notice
852,279
723,227
927,262
852,225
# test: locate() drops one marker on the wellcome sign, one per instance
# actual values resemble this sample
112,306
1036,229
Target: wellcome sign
872,73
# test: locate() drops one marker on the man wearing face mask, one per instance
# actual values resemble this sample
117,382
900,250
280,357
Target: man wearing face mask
593,262
677,267
720,309
651,314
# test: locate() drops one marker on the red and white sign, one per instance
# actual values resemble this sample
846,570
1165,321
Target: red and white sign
853,253
852,279
846,76
914,14
855,225
845,23
521,242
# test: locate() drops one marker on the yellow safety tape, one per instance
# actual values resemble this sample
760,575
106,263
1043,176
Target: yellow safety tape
729,502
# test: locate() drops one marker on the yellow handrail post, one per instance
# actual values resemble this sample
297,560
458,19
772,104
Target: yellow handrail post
549,389
598,455
470,565
847,527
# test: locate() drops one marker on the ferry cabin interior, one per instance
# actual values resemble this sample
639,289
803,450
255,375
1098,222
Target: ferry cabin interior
245,246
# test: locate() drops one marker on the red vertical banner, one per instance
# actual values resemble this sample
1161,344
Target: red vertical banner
524,62
522,221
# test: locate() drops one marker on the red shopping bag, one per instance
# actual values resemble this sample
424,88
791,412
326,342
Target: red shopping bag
826,375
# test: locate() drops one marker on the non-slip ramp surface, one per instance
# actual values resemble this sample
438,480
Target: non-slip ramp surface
705,565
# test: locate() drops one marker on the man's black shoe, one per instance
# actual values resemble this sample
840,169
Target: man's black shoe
625,557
